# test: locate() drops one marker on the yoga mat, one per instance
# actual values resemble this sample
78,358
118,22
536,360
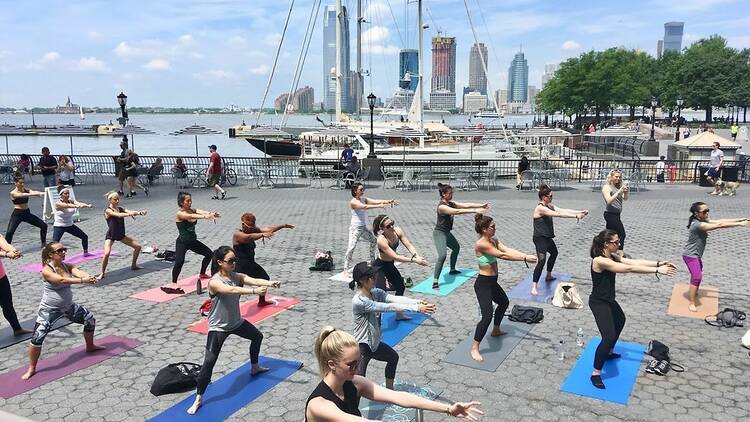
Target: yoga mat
73,260
392,331
707,303
231,392
251,312
156,295
494,350
448,283
9,417
347,277
126,273
391,412
522,290
8,339
618,375
62,364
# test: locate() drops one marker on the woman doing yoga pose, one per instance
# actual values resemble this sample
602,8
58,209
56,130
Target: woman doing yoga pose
6,296
358,226
65,208
115,215
21,213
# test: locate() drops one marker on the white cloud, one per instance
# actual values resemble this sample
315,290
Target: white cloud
124,49
272,39
260,70
570,45
91,64
195,55
157,64
50,57
375,35
214,74
186,39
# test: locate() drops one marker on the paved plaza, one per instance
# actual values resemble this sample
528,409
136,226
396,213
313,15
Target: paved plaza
715,385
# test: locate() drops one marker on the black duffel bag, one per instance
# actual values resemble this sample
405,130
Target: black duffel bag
176,378
527,314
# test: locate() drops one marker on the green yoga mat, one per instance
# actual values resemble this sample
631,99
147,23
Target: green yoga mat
448,282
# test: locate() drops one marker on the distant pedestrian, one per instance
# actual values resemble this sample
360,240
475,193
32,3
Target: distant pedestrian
24,164
615,191
213,174
686,133
48,167
714,166
523,166
734,130
347,154
65,171
121,163
131,171
660,166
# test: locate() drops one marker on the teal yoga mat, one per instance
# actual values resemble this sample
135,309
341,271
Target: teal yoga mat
392,331
619,375
448,283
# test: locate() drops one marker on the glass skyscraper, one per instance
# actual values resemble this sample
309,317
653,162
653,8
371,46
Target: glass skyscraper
673,36
408,61
518,79
329,60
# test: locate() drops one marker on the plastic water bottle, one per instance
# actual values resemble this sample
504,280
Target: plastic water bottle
579,337
561,351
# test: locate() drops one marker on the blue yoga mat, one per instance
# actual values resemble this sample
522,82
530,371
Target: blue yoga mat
618,375
231,392
448,283
522,290
392,331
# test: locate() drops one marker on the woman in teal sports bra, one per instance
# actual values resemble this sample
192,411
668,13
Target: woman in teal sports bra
487,250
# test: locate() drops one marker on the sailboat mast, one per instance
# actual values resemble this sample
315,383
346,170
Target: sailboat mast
420,83
339,16
358,98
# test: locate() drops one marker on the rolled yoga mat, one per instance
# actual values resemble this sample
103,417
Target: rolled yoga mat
252,313
72,260
126,273
448,282
707,303
494,350
7,338
546,289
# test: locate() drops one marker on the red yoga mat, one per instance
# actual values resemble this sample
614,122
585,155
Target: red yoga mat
158,296
251,312
72,260
62,364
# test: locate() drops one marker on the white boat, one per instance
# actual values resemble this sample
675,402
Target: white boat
488,115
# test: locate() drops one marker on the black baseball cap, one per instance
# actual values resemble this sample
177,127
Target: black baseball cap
363,270
213,147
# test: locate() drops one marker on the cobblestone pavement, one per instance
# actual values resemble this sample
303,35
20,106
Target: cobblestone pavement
715,385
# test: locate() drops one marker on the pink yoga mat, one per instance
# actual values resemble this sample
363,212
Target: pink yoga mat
73,260
62,364
158,296
252,313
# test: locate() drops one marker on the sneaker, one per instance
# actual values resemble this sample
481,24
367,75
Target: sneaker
454,272
408,282
223,194
214,197
119,192
435,286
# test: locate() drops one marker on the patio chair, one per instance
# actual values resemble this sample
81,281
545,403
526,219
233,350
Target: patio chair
406,181
490,179
465,181
92,172
389,177
425,178
312,176
338,182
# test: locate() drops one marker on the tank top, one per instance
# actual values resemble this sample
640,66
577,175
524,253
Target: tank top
225,308
186,230
544,226
444,221
22,199
603,285
245,254
56,296
348,405
115,226
616,205
359,216
64,217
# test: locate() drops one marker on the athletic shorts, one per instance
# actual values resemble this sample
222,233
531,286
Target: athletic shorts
213,179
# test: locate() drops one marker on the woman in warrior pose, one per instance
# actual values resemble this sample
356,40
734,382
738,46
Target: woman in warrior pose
65,208
21,212
115,215
358,225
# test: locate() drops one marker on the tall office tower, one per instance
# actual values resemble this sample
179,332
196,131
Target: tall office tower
329,60
501,97
549,72
673,36
477,77
659,48
518,79
408,62
443,86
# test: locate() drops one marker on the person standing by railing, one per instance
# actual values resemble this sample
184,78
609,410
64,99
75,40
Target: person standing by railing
615,191
48,167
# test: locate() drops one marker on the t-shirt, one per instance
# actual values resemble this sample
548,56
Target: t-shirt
696,242
215,159
47,161
660,167
716,157
366,313
56,296
347,154
225,308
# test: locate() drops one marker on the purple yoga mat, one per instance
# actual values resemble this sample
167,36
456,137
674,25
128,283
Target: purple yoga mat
62,364
73,260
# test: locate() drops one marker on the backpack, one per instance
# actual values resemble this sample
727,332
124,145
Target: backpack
727,318
566,296
323,262
527,314
176,378
661,362
166,255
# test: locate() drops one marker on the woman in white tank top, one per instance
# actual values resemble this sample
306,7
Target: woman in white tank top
358,225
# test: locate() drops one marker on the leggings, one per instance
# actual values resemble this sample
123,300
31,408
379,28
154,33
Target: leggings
181,248
695,266
383,353
253,269
614,223
25,216
213,347
543,246
488,291
46,319
6,302
356,233
443,241
57,234
610,319
388,277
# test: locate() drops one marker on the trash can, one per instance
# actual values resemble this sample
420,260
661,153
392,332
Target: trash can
728,174
702,179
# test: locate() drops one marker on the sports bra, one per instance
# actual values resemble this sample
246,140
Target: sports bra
485,259
21,199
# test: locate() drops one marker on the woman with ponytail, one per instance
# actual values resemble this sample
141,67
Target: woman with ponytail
225,319
610,319
698,227
358,225
115,215
389,237
488,250
336,397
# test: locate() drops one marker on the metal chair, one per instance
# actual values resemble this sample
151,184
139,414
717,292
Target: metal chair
312,176
490,179
426,178
389,177
406,182
465,181
92,172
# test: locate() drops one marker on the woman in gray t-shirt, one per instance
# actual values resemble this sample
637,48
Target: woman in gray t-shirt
224,319
698,227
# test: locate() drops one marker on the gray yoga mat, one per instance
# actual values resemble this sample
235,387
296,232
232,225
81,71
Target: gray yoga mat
126,273
391,412
7,338
494,350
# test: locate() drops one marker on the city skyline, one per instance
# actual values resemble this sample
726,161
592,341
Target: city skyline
221,53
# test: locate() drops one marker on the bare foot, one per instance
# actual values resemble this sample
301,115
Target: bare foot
476,355
94,348
21,332
196,405
496,332
534,291
30,373
400,316
135,267
257,369
692,307
100,276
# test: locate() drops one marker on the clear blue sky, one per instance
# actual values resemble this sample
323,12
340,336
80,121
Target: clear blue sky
219,52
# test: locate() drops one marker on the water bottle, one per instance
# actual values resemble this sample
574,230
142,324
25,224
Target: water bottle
579,337
561,351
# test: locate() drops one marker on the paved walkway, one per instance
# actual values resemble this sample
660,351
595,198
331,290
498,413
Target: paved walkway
715,386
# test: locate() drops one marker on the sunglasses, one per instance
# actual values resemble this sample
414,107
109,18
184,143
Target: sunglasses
61,250
229,261
614,242
353,365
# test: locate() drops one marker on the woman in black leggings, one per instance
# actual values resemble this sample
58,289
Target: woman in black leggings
224,319
6,297
21,213
614,193
488,250
544,233
610,319
187,240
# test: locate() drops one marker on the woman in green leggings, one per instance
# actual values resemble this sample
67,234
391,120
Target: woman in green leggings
442,235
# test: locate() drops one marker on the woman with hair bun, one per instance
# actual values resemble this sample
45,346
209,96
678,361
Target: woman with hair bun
488,250
358,226
115,215
442,236
336,397
606,262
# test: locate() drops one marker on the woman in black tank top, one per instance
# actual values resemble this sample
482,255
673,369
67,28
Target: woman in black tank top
21,213
115,215
337,353
609,317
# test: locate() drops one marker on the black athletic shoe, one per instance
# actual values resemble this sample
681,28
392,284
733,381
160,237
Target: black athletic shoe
454,272
596,381
119,192
223,194
614,356
145,190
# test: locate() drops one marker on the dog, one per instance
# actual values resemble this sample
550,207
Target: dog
727,188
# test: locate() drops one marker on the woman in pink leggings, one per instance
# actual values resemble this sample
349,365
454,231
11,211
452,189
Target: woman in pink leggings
698,227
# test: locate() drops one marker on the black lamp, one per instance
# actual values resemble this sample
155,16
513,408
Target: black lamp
654,103
122,100
679,107
371,103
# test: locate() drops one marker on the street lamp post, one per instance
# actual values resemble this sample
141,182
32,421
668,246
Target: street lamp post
679,108
122,100
653,117
371,103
